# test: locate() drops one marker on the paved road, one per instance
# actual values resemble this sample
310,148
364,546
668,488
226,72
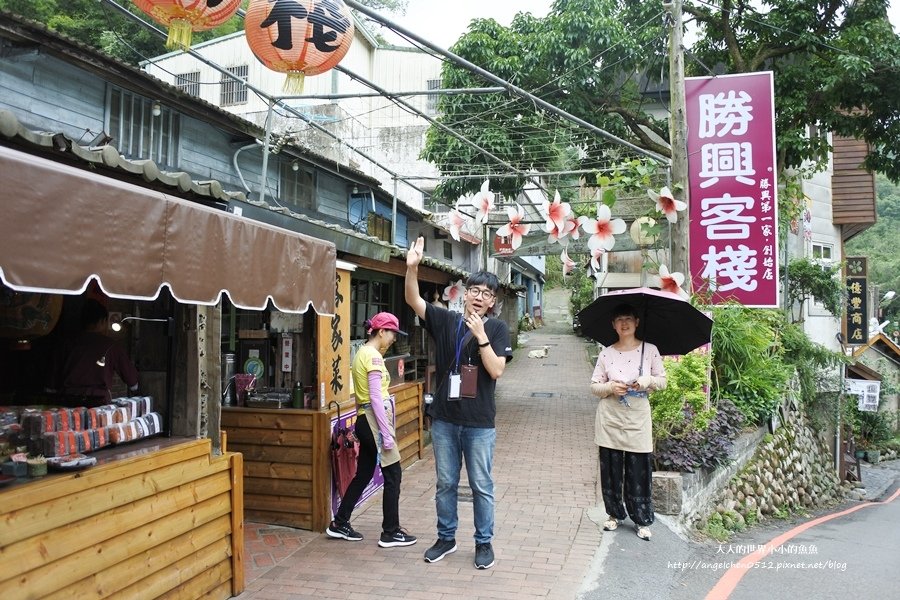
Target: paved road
849,552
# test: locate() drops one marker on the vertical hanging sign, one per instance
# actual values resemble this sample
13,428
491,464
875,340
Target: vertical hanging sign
856,317
333,344
732,181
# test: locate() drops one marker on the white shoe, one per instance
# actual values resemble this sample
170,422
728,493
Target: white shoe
610,524
644,533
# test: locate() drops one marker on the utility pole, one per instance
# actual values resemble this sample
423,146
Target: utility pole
679,259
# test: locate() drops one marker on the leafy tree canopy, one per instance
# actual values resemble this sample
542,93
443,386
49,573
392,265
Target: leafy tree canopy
836,64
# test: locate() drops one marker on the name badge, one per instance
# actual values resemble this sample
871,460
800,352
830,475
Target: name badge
454,386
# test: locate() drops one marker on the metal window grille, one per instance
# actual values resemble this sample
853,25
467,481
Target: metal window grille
448,250
233,91
432,104
137,133
369,295
189,83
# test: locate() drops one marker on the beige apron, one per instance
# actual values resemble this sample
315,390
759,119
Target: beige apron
388,457
621,427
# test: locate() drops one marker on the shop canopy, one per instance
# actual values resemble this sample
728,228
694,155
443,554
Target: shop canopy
61,226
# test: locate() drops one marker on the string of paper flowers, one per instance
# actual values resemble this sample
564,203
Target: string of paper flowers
561,224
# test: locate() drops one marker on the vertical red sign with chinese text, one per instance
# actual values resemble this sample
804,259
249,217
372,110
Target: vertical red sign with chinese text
733,185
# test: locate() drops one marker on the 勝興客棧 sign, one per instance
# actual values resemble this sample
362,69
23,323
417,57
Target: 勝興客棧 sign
732,183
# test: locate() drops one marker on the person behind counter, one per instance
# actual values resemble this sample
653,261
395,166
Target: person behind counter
375,430
91,358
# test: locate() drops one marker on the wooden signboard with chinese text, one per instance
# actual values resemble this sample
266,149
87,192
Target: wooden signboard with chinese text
333,345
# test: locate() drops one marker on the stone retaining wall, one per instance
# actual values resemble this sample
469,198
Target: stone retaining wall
791,469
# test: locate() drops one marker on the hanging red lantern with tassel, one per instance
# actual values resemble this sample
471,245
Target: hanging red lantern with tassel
299,37
183,17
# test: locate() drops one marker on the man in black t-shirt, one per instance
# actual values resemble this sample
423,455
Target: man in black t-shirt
471,352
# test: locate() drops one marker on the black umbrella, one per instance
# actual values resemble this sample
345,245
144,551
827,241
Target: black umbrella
666,320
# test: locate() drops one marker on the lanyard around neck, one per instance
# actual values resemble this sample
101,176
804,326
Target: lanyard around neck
460,341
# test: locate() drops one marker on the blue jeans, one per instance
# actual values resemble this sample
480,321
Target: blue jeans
451,443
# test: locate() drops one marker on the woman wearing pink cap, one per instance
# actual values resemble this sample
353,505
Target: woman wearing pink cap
370,385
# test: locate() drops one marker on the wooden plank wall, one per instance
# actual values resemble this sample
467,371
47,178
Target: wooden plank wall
165,524
853,188
287,457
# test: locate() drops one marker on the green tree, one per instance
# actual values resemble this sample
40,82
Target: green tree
836,64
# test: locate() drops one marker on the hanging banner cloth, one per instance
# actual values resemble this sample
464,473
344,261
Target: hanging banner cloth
61,227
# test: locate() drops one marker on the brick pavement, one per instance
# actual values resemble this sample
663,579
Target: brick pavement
545,471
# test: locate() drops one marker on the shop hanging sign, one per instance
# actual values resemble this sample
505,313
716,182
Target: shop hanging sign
856,318
732,182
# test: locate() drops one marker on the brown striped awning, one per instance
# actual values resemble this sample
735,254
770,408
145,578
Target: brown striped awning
61,227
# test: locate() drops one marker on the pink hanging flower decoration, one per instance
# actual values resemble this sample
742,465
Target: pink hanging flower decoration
555,213
568,265
596,254
483,202
575,222
602,229
515,229
667,204
456,220
570,227
454,290
671,282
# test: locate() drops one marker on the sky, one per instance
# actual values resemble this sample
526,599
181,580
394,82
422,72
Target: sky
442,22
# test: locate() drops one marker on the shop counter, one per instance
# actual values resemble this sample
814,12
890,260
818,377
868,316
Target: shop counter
158,517
287,456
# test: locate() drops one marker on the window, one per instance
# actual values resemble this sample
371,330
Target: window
822,252
189,83
233,91
370,293
432,104
139,134
298,188
448,250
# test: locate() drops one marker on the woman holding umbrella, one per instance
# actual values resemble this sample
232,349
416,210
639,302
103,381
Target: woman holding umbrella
376,434
626,371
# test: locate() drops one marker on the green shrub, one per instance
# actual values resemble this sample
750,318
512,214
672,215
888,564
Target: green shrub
747,365
686,382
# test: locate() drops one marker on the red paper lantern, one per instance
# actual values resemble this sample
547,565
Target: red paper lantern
183,17
299,37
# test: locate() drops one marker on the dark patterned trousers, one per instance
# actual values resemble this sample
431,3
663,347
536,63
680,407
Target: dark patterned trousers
633,472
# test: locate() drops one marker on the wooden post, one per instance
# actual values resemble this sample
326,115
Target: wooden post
679,259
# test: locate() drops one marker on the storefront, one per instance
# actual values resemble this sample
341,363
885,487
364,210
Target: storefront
161,514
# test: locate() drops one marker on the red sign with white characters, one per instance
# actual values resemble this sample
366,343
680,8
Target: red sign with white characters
732,180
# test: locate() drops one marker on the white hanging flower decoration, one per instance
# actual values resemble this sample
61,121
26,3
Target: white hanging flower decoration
602,229
568,265
483,202
672,282
515,229
667,204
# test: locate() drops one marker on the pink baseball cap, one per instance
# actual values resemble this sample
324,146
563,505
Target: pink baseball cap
384,320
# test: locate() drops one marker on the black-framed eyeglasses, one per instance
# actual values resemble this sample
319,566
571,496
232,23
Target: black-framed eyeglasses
485,293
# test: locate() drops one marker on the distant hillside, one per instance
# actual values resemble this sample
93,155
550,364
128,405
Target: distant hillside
881,243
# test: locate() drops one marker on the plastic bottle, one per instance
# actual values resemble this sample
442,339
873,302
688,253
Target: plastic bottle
297,395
